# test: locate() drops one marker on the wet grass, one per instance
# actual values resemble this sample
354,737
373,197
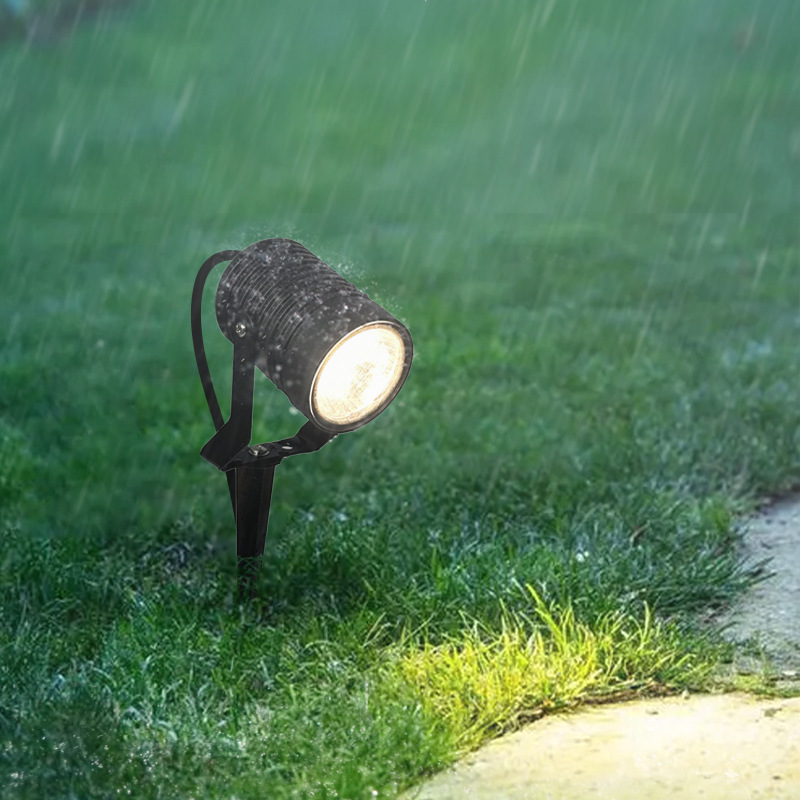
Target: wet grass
483,682
601,272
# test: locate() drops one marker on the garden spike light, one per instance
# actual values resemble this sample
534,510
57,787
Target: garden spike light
338,356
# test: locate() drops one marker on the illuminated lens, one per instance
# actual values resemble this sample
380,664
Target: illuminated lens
358,375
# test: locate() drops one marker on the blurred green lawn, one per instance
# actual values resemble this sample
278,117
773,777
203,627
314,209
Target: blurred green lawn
588,214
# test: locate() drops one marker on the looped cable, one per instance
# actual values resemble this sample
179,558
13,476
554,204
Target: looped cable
197,333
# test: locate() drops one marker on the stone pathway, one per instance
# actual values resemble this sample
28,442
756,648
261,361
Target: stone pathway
715,747
769,616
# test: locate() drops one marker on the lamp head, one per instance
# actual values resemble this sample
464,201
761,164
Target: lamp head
338,356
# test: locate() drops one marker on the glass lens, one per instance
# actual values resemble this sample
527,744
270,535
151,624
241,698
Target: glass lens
358,375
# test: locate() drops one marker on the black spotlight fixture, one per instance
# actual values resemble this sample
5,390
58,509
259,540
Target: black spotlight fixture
338,356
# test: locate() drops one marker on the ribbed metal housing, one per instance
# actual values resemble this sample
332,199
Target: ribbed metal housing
298,308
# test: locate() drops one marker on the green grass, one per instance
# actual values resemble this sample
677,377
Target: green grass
482,683
587,216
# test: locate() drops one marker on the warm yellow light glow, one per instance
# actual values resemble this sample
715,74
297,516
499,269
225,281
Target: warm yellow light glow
358,375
